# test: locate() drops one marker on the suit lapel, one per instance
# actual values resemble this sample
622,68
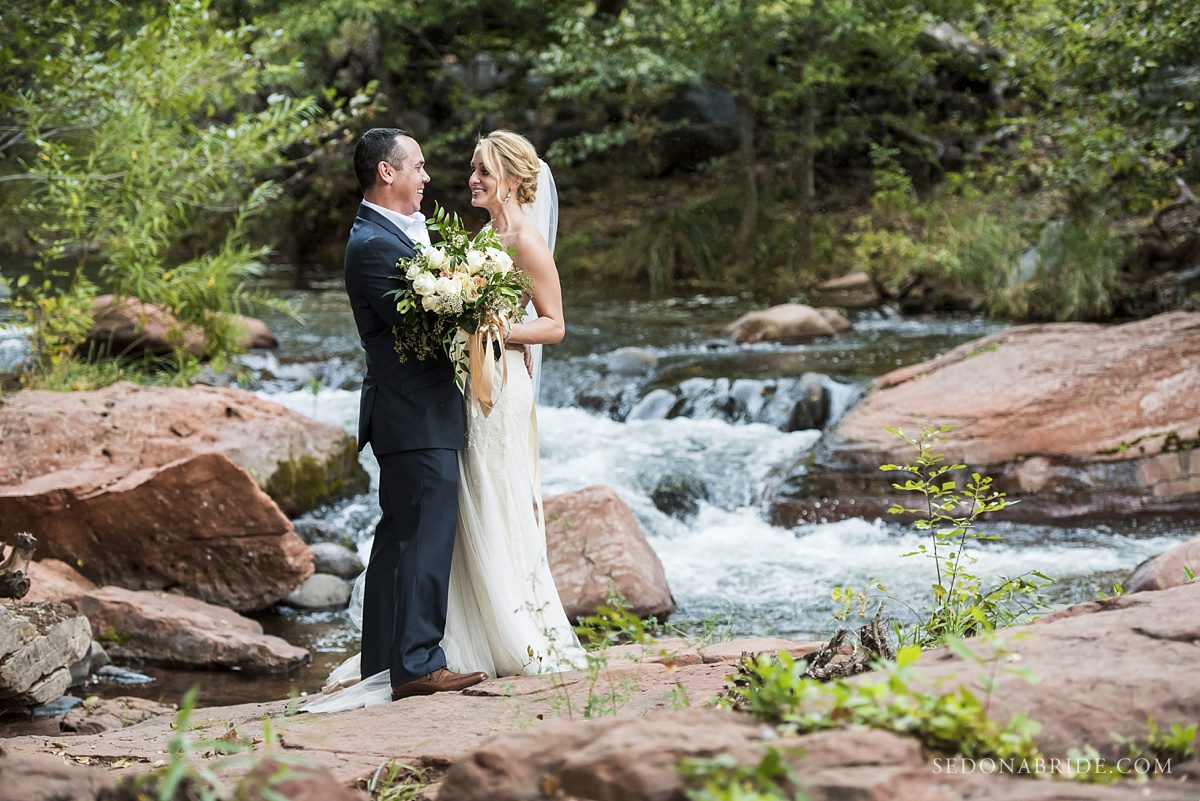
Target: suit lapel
370,215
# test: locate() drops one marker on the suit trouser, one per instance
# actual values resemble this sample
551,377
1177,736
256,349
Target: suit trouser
408,577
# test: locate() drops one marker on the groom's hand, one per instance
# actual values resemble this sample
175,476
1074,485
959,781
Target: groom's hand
526,353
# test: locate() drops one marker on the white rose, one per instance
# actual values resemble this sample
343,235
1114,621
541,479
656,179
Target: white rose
448,287
429,302
437,258
476,260
424,285
501,260
413,271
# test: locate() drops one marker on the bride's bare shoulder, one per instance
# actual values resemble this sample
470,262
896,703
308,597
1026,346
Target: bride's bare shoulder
528,243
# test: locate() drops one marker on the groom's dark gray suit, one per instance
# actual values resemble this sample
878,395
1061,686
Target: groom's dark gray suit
412,414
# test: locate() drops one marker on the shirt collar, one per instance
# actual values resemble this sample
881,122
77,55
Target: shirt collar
408,223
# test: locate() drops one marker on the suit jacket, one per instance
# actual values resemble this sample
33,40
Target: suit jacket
406,405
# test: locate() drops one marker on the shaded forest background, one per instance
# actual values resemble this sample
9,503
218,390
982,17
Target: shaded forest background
1031,159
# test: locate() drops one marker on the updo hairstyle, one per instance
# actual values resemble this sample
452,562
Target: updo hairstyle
510,156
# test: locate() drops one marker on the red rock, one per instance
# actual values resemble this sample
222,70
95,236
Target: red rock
132,327
98,437
1168,569
592,540
1076,420
294,780
162,628
95,715
28,777
200,524
54,580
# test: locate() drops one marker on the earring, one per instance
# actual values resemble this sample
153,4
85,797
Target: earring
506,197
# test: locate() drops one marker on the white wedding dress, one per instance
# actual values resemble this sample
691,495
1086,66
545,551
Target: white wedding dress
504,616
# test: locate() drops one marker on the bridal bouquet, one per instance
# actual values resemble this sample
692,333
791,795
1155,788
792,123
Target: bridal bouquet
457,296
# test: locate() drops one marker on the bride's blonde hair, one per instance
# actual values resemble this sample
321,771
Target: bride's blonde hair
509,155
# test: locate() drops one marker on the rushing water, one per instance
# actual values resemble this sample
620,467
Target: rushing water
602,423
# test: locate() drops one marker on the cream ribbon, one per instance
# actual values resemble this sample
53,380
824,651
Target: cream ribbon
483,364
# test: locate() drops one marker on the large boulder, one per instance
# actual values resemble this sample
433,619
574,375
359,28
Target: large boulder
129,327
593,541
1169,569
38,644
54,580
99,437
1077,420
789,322
199,524
163,628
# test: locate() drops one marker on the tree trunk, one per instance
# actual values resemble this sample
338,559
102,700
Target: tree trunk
748,227
806,180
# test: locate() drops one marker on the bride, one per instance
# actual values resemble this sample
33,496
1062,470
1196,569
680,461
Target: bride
504,616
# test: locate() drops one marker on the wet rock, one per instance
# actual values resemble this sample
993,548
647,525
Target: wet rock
592,541
853,291
329,557
321,591
1169,569
1078,421
131,327
105,714
632,361
678,497
313,531
114,674
95,658
162,628
811,404
787,322
38,644
655,406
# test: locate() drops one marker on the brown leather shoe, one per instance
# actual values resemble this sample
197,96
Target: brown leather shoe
439,681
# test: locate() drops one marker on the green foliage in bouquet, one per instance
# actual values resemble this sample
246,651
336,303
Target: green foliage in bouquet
463,282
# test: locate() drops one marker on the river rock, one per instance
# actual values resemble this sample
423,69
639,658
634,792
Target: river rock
321,591
96,438
853,291
592,541
199,523
1168,569
1076,420
787,322
131,327
95,659
338,560
312,531
33,777
95,715
38,644
632,361
163,628
678,496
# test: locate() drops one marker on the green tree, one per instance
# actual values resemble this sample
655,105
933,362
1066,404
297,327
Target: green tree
137,144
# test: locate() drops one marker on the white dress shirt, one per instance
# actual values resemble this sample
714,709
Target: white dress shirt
413,225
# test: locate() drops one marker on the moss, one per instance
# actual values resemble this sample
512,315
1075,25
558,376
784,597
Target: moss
299,485
110,636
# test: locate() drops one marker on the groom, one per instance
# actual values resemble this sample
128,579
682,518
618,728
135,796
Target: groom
412,414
